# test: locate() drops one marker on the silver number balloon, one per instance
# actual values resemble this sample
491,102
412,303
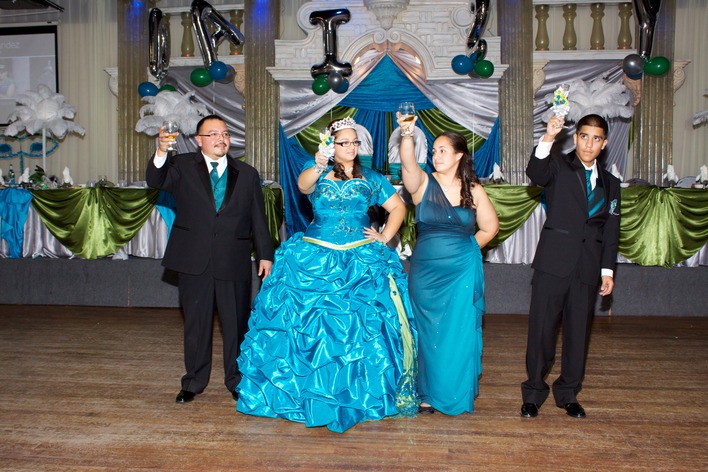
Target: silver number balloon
209,42
646,11
329,19
481,12
159,37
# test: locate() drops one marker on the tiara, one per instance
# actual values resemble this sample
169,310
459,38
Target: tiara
342,124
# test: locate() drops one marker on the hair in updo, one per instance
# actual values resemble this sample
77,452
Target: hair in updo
338,168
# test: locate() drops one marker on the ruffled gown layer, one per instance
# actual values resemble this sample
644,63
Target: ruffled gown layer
447,293
329,342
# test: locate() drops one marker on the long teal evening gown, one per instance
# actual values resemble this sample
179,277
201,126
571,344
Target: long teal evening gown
330,342
447,293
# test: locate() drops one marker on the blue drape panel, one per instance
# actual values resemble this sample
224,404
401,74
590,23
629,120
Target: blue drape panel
375,122
384,88
166,206
14,205
488,153
298,210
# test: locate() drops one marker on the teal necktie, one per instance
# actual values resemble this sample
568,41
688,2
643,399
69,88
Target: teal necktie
214,175
217,186
596,199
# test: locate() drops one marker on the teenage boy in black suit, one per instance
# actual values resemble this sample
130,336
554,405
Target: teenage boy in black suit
576,253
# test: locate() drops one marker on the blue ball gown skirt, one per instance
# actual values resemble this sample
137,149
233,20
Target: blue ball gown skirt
329,340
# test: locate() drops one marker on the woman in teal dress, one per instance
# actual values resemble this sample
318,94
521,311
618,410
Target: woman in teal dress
446,278
329,340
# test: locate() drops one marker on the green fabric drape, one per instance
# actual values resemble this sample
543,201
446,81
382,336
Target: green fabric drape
309,138
94,222
408,233
437,122
273,198
514,205
662,226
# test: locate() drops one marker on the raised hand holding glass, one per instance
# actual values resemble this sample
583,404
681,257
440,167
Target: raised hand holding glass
171,128
407,111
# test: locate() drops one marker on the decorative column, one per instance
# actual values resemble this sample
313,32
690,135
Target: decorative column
516,96
654,127
133,148
262,94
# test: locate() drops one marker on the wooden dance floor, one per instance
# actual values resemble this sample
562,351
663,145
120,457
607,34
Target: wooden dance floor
93,389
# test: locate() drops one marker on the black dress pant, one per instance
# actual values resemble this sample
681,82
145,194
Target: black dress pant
198,294
555,300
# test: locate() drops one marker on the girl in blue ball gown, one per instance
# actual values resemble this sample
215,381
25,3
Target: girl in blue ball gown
330,341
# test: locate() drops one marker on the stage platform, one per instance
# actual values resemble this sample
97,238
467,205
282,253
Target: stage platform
143,282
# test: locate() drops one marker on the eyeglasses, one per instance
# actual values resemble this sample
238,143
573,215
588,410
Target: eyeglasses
346,144
215,135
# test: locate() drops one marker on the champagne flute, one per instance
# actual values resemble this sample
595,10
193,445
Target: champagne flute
407,111
171,128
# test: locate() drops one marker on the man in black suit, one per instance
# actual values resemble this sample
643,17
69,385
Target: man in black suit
576,252
219,208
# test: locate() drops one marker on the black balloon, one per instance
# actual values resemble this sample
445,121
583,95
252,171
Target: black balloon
208,41
335,80
481,12
159,38
646,11
633,65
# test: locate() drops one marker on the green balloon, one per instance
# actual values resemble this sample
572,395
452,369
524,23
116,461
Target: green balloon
657,66
320,86
168,87
484,68
200,77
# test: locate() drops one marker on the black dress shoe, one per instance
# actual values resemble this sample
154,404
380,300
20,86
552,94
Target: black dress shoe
426,410
185,396
529,410
234,395
574,410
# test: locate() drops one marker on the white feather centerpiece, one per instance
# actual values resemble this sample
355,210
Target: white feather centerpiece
170,106
596,97
46,111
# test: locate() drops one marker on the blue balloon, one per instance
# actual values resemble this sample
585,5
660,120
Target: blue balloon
462,64
148,89
218,70
343,87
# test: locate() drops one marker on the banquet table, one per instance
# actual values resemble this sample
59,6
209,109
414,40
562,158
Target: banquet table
659,226
96,222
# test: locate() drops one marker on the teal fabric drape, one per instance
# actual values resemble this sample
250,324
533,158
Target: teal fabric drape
14,203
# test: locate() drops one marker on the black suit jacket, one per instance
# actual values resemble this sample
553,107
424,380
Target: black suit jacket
200,234
570,240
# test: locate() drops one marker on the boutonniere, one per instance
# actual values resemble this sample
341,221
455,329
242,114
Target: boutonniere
613,208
